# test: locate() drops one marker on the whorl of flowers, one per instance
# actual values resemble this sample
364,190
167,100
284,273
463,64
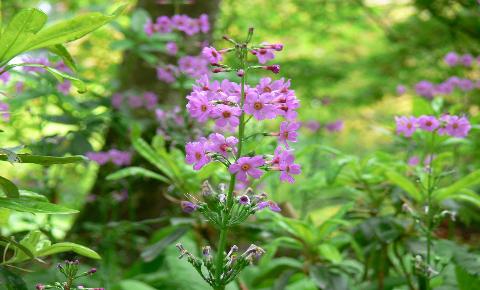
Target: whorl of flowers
70,270
454,126
232,105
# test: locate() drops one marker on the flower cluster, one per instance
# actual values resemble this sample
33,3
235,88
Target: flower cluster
191,66
147,100
117,157
70,272
190,26
454,59
429,90
454,126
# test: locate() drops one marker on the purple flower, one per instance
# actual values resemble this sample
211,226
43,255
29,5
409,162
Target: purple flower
117,100
150,100
336,126
465,85
180,22
286,105
466,60
199,106
428,123
64,87
100,158
244,200
259,106
287,166
4,77
455,126
247,166
451,59
192,27
313,125
413,161
444,88
212,55
160,114
197,154
401,89
221,145
188,207
120,158
163,25
425,89
270,204
227,115
263,55
203,23
171,47
193,66
406,125
288,132
149,28
167,73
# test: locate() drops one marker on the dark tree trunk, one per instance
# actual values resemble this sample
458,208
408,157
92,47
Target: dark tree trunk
146,198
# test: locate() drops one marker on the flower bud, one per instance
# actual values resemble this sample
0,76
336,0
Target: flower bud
188,207
92,271
273,68
40,287
240,73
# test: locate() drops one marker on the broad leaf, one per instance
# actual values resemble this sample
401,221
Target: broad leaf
9,188
136,171
70,30
33,205
68,247
45,160
404,184
22,28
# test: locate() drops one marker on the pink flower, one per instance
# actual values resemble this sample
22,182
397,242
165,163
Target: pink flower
171,47
180,22
193,66
203,23
192,27
163,25
150,100
247,166
199,106
401,90
64,87
120,158
286,104
406,125
428,123
263,55
167,73
212,55
259,106
5,77
117,100
336,126
222,145
100,158
135,102
270,204
288,167
227,115
197,154
288,132
4,111
455,126
413,161
451,58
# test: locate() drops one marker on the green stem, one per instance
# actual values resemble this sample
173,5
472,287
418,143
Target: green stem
429,211
229,202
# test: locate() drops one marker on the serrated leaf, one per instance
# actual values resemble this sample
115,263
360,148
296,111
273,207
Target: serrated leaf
33,205
136,171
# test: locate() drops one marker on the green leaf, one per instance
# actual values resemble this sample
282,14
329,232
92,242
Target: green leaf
25,251
68,247
9,188
470,180
325,279
330,253
144,149
10,280
404,184
46,160
61,51
150,253
136,171
465,280
33,205
134,284
73,29
24,25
